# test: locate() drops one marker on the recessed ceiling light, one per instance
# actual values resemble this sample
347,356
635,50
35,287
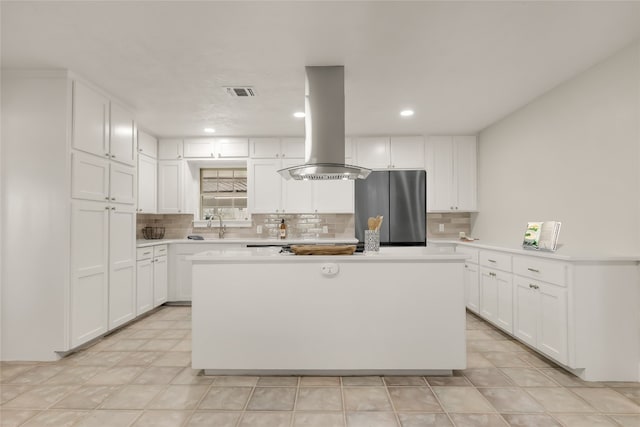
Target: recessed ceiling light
299,114
406,113
209,130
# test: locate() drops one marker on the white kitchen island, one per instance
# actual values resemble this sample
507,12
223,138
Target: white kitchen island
259,312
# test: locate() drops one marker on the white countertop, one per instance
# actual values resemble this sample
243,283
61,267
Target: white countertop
273,255
250,241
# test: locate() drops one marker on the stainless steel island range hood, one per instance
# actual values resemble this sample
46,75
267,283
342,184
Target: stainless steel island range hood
324,129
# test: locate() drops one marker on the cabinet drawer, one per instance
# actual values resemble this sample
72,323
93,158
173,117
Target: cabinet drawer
473,253
497,260
144,253
159,250
541,269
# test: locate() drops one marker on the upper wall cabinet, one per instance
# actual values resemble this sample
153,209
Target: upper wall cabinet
147,145
398,152
102,127
170,149
451,173
276,148
216,148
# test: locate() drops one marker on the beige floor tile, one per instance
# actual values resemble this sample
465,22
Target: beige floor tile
409,381
583,420
145,334
239,381
116,376
191,376
277,381
319,381
319,399
536,360
9,371
608,400
487,377
457,381
37,375
366,399
211,419
104,418
530,420
362,381
424,420
528,377
559,400
179,397
630,393
39,397
322,419
566,379
265,419
184,345
462,399
11,391
272,399
506,359
132,397
104,359
627,420
139,358
127,345
182,324
371,419
162,419
172,334
480,346
158,345
226,398
478,420
15,417
511,399
157,375
174,358
480,334
74,375
54,418
86,397
414,399
477,360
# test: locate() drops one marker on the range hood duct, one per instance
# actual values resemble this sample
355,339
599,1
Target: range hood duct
324,129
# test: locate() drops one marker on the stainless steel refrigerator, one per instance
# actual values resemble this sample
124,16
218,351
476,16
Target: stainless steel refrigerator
401,197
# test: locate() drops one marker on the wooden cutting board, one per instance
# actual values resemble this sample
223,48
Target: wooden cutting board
323,249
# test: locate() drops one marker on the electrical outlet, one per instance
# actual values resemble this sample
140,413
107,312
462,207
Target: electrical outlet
325,229
259,229
440,227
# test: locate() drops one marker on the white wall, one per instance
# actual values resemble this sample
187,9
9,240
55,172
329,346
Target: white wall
571,155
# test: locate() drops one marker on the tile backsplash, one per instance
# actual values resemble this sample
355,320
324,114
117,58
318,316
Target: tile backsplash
179,226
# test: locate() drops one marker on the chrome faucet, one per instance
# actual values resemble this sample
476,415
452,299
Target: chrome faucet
223,227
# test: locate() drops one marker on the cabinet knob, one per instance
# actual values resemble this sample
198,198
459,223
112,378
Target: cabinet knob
107,154
106,207
451,208
113,156
140,150
179,211
179,156
106,198
113,208
283,154
113,198
277,155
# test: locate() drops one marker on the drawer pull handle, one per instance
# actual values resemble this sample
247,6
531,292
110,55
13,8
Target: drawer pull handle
492,260
146,253
533,269
532,286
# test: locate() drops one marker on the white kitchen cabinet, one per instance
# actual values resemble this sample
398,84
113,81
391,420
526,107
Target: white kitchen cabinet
90,130
333,196
122,135
160,280
216,148
170,186
396,152
451,173
122,184
276,148
373,152
170,149
144,285
496,289
199,148
147,184
122,264
264,186
472,287
89,177
297,195
89,290
147,145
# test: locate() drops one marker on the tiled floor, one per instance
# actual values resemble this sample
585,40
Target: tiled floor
140,376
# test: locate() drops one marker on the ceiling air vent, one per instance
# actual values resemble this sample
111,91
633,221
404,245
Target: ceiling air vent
240,91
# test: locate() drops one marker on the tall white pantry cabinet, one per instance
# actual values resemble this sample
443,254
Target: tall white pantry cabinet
68,198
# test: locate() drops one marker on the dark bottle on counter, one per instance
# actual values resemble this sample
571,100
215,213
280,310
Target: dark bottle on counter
283,230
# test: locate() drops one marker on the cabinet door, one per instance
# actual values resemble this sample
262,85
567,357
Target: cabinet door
333,196
297,196
264,186
526,304
147,184
89,292
169,149
293,148
440,186
160,284
147,145
122,265
504,317
232,147
199,148
264,148
465,177
122,184
407,152
553,323
144,286
90,120
488,295
122,147
170,182
89,177
183,277
373,152
472,287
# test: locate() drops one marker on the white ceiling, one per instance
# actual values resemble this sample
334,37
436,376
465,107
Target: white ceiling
460,65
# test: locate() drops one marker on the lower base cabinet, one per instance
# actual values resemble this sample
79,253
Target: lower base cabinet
472,287
160,283
496,298
144,280
151,274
